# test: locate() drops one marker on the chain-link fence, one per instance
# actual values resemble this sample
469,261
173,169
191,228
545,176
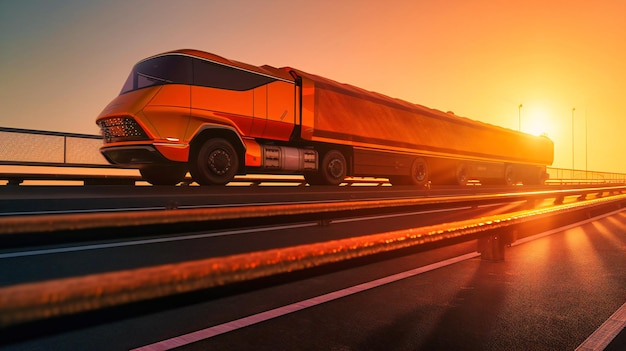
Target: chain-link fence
563,175
33,147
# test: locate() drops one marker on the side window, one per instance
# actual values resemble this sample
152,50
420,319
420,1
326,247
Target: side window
168,69
174,69
213,75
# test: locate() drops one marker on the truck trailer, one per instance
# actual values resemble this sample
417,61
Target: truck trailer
191,111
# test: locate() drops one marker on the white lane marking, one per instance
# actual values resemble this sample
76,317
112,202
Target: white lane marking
246,231
210,332
200,236
347,220
148,241
602,337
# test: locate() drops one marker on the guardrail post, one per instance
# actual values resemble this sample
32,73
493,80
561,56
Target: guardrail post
492,247
559,200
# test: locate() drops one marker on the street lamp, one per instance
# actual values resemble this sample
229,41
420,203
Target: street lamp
586,130
519,116
573,109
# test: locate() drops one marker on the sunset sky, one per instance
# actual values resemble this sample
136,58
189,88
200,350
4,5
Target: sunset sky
62,61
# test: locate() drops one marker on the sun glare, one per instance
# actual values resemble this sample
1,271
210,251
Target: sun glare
536,121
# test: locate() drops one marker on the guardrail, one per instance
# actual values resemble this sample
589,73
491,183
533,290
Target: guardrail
29,302
574,176
10,227
42,148
26,147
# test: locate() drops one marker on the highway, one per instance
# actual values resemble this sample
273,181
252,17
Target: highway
550,292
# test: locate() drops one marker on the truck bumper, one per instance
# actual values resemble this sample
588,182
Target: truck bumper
133,156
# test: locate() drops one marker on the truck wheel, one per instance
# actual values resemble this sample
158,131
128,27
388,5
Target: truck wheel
163,174
419,172
333,170
509,176
461,174
215,162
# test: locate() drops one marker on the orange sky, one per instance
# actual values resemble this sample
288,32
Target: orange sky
62,61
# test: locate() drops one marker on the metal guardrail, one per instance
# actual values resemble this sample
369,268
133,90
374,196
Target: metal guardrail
573,176
41,300
26,147
14,225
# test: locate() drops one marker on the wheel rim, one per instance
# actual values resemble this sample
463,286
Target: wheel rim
335,168
462,175
508,176
219,162
419,172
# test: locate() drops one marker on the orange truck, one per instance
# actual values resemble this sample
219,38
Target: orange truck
191,111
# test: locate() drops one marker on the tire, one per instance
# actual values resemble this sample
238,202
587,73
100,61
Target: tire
216,162
163,174
333,170
420,172
419,175
461,174
509,176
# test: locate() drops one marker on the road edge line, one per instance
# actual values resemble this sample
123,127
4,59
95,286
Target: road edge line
606,333
210,332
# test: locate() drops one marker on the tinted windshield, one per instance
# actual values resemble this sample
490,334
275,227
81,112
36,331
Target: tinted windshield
171,69
179,69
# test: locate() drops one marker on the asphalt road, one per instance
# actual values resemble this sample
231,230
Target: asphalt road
549,294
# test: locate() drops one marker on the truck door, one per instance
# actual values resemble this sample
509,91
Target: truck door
231,95
280,110
260,112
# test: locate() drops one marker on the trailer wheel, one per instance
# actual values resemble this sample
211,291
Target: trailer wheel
461,174
215,162
420,172
509,176
163,174
333,170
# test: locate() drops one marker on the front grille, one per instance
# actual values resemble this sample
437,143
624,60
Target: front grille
116,129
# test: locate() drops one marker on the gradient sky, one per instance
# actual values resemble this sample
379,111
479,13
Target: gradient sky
62,61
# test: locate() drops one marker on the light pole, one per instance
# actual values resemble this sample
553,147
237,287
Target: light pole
573,109
519,117
586,130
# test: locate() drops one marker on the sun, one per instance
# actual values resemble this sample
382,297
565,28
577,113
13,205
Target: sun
536,121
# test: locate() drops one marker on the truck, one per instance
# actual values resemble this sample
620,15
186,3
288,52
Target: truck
189,111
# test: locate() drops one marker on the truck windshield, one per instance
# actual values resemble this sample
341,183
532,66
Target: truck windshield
169,69
181,69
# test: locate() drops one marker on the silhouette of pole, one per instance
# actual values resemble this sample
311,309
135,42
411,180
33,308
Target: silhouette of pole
519,117
573,109
586,140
